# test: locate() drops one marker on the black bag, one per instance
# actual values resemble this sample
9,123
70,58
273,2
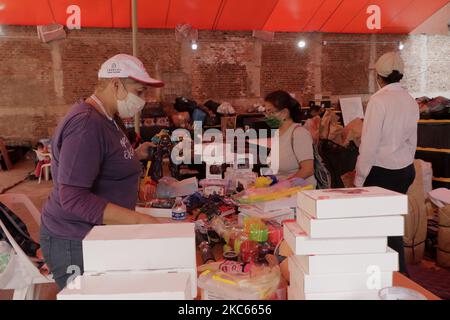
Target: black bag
321,173
212,105
338,159
18,231
183,104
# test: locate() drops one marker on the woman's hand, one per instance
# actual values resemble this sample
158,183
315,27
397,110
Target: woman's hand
348,179
142,151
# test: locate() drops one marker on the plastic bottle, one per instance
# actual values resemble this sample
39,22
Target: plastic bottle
179,210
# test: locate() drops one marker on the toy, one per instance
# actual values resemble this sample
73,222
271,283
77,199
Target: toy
262,182
163,148
279,190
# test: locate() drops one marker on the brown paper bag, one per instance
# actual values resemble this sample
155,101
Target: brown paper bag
415,220
443,250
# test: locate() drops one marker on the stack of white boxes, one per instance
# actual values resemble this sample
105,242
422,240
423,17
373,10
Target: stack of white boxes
154,261
339,243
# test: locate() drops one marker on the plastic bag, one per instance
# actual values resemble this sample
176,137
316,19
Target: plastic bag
226,108
5,255
169,187
427,175
330,128
313,125
261,283
353,132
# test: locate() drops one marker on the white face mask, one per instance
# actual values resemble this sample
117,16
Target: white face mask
130,106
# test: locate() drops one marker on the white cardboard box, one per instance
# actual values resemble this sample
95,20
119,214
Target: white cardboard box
129,286
301,244
276,215
140,247
192,272
337,282
351,227
348,263
352,202
283,203
296,294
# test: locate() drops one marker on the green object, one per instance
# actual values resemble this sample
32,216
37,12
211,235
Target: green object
5,255
273,121
259,233
4,260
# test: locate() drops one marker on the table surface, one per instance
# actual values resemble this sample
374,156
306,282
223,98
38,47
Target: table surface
401,281
398,279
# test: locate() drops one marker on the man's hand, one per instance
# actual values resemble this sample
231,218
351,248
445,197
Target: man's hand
142,151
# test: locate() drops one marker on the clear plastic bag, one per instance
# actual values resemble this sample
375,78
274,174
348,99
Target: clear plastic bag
260,283
169,187
5,255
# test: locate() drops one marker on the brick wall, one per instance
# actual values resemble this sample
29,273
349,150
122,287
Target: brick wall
39,82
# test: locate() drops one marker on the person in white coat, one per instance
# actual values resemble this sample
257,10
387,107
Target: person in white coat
389,137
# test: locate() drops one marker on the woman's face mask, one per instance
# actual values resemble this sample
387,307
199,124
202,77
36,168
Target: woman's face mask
130,106
275,118
273,121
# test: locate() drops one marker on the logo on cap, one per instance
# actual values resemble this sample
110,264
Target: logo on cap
113,69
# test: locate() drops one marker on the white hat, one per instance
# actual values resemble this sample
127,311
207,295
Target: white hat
389,62
126,66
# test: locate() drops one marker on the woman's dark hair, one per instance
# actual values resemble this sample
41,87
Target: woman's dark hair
281,99
395,76
39,145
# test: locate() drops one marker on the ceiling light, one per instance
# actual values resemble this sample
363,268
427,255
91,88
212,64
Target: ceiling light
194,46
301,44
401,46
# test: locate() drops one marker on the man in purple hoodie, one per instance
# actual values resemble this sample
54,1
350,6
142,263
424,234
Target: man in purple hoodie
95,169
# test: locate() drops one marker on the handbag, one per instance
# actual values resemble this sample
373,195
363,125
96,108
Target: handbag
18,231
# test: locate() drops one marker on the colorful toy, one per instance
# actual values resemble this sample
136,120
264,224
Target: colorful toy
282,189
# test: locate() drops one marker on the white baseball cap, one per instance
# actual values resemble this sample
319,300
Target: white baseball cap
389,62
126,66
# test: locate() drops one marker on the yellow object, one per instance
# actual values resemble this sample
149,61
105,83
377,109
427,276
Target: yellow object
434,121
433,150
205,272
149,163
262,182
221,278
274,195
441,179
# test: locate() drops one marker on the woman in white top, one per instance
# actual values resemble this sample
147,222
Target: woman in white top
293,157
389,136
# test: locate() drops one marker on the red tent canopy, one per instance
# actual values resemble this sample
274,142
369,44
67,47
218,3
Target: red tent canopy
342,16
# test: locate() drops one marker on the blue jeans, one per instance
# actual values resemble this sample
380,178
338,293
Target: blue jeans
63,257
